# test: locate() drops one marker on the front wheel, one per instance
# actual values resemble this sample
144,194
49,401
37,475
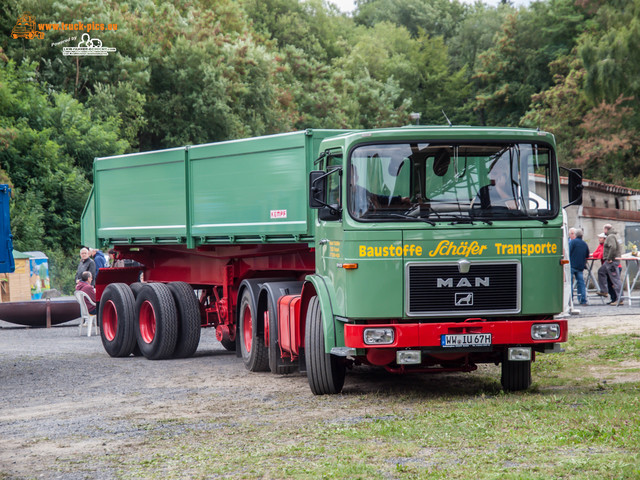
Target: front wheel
325,372
515,376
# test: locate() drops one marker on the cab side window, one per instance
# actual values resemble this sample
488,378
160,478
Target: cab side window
334,193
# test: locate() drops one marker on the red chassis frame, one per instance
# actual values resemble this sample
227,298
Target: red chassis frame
217,270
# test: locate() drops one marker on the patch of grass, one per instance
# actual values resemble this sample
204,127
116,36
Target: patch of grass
569,426
583,353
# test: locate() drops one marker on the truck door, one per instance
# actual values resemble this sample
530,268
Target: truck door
329,232
6,239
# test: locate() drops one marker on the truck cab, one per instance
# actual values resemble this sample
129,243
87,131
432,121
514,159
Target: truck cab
439,248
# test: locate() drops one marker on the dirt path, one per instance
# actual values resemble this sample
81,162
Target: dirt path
67,410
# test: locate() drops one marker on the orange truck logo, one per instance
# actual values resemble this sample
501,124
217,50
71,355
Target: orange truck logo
26,27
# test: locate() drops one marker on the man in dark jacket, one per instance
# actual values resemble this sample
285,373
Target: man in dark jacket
99,259
86,265
578,253
609,268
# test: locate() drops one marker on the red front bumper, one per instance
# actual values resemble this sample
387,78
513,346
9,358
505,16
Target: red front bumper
411,335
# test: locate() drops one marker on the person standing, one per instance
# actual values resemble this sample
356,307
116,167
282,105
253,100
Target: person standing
609,268
578,254
597,255
99,259
85,285
86,265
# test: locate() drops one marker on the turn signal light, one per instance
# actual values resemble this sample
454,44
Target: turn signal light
348,266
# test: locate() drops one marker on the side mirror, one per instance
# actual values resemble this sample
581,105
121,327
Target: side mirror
575,186
318,195
317,189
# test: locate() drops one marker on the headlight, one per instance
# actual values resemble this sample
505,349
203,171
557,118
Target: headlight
379,336
545,331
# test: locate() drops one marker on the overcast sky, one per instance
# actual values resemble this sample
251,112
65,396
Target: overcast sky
348,6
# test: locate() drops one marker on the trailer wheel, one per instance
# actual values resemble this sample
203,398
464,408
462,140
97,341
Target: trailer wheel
325,372
252,347
274,343
229,345
515,376
117,320
157,321
136,287
188,310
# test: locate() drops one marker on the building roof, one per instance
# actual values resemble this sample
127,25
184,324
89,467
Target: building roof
604,187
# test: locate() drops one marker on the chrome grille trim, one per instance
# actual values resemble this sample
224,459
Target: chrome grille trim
424,299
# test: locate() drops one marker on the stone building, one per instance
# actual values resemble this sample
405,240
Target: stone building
604,203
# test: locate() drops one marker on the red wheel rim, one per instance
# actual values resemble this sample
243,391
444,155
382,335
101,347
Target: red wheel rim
247,328
109,320
147,322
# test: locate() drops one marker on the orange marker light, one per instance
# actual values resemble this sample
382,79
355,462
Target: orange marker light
348,266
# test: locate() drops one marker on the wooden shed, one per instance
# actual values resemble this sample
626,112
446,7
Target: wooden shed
16,286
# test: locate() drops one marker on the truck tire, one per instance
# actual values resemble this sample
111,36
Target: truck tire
229,345
325,372
188,310
515,376
136,287
156,321
252,347
117,320
275,364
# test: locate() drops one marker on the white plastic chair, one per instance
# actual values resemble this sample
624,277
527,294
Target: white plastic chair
87,319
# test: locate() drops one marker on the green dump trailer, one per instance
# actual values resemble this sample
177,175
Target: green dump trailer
418,249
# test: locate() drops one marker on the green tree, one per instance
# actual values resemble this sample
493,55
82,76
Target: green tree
435,17
561,108
50,135
609,143
611,54
517,67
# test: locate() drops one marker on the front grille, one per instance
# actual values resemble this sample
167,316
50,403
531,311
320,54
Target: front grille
440,289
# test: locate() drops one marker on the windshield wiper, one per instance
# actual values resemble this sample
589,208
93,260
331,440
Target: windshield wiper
469,221
400,215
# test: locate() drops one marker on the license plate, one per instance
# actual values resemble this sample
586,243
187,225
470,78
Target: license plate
466,340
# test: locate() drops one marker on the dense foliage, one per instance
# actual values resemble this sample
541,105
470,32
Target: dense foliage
188,72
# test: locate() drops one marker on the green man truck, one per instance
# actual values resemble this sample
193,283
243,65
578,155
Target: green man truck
414,249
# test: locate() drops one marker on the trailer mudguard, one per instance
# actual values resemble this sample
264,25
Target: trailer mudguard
322,287
270,293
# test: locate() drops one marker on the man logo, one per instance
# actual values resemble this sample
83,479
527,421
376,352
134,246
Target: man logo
464,299
462,283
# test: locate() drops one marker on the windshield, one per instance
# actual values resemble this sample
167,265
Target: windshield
452,182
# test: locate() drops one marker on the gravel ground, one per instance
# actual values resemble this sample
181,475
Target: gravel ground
68,410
